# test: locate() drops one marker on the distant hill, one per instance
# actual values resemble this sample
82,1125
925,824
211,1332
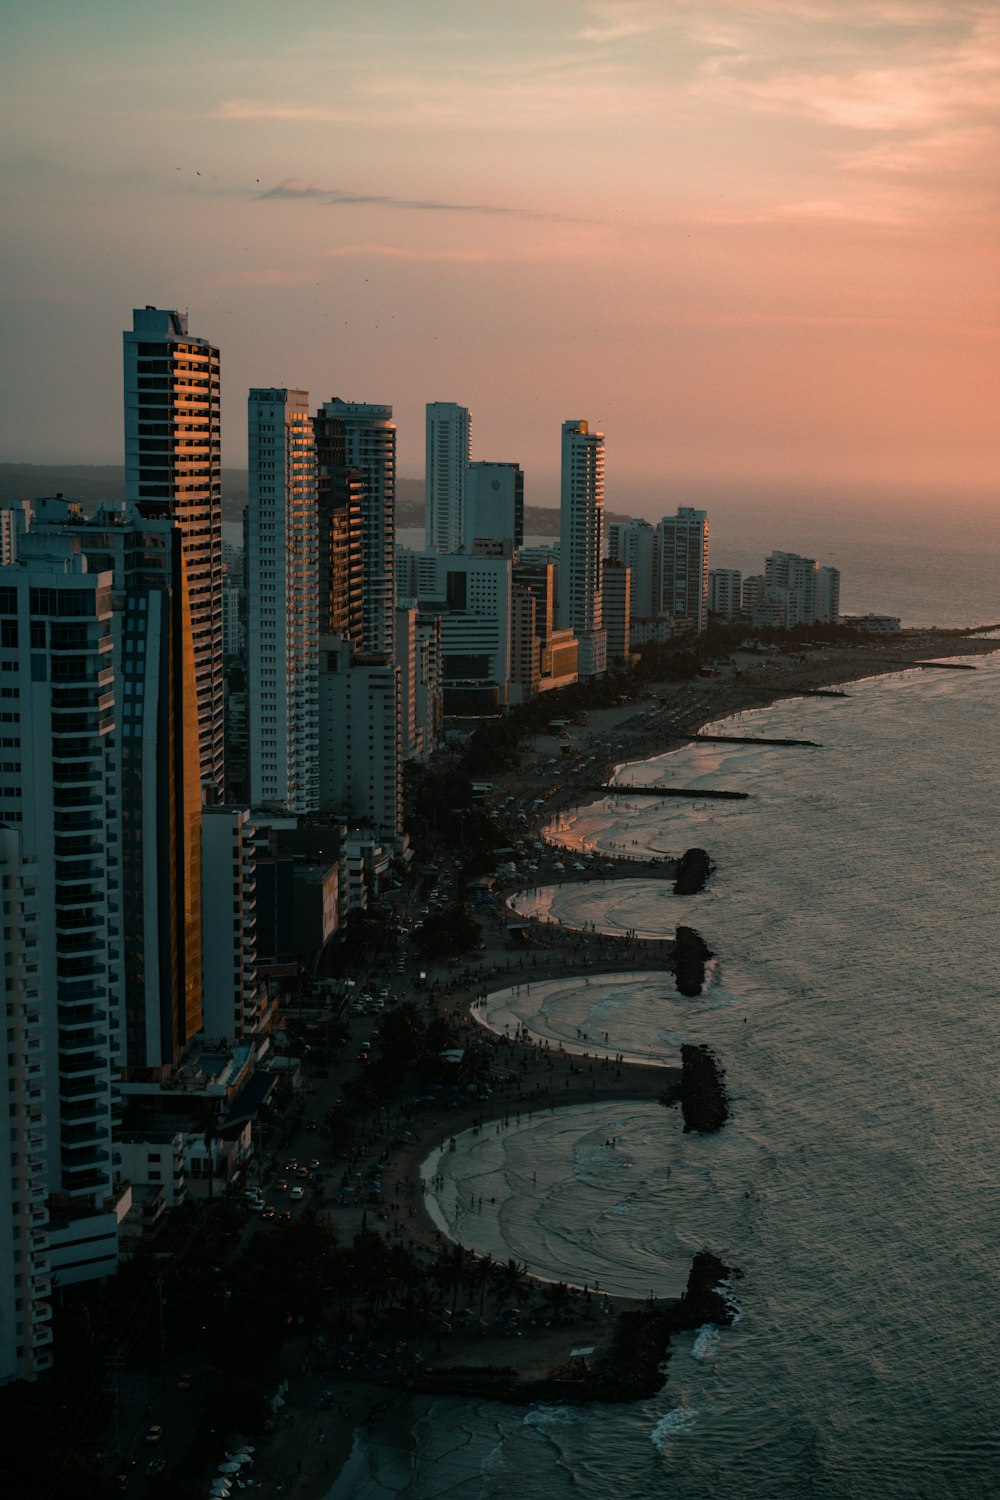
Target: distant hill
92,483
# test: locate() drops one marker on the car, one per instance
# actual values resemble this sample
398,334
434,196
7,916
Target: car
256,1206
185,1381
154,1434
281,1186
286,1216
269,1212
302,1171
297,1192
156,1466
314,1164
312,1124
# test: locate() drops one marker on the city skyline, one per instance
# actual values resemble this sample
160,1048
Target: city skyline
752,241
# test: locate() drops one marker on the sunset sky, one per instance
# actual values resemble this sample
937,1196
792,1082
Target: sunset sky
755,241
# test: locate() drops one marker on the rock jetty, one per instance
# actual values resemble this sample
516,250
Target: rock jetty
693,870
691,954
702,1090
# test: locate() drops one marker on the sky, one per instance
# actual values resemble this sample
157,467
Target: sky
755,242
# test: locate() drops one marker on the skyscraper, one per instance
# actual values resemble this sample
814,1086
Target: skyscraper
173,469
683,548
365,436
635,543
154,784
282,637
494,503
581,541
813,592
446,456
56,723
25,1280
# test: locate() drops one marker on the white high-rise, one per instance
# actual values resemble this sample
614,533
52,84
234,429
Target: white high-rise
581,543
725,592
282,603
683,572
446,457
634,543
366,438
173,469
813,592
56,723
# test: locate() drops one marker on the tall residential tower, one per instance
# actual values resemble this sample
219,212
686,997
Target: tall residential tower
446,456
581,542
683,548
365,436
173,469
281,570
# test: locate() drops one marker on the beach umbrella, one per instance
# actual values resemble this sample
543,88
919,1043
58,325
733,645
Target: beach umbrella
229,1468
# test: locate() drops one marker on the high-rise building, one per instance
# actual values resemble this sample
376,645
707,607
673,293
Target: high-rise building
828,596
154,783
282,586
340,498
617,607
635,543
581,544
525,650
25,1268
446,457
57,794
813,592
365,436
472,597
494,504
683,554
539,579
725,592
361,763
173,469
229,906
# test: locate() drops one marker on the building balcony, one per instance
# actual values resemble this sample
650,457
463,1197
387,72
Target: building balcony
86,1184
75,1089
74,1042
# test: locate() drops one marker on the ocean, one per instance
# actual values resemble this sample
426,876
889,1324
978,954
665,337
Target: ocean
854,1003
929,560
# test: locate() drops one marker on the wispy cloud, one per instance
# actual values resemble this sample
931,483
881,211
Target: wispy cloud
403,252
341,198
265,276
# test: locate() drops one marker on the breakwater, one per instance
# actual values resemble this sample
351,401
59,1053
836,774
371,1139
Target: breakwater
613,789
749,739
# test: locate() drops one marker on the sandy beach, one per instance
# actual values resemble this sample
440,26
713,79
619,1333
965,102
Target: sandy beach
311,1443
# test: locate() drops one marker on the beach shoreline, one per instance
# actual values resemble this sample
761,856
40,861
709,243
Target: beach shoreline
718,699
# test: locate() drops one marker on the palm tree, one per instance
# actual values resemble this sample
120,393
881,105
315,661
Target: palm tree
451,1269
557,1296
511,1280
484,1269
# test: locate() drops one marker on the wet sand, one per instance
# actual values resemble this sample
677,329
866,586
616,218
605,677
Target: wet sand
305,1454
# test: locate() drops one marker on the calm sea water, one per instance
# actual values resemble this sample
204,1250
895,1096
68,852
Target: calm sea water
855,1005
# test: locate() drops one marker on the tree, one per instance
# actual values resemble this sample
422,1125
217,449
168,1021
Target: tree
557,1297
511,1280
